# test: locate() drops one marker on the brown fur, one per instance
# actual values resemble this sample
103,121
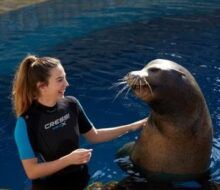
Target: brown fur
178,136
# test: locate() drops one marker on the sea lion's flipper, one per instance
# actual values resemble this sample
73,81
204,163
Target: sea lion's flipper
125,150
123,158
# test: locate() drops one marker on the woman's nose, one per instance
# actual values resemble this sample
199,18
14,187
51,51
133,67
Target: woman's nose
66,83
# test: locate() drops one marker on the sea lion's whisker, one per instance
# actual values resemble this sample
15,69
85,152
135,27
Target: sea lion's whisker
147,83
140,86
120,83
127,91
123,79
126,86
115,85
134,81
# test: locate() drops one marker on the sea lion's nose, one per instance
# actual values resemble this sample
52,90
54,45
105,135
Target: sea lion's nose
138,74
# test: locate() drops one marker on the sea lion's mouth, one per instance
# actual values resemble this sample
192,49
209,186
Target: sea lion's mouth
142,89
139,85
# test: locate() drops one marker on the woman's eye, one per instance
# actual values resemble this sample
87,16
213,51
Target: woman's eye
60,80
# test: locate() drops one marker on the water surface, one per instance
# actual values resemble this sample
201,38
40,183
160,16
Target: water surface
98,42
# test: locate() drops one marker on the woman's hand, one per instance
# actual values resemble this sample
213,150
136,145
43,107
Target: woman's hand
35,170
138,124
78,156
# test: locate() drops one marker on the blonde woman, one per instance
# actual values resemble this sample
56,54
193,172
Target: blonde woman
49,125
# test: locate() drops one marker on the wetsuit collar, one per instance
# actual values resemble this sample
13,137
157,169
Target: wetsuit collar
42,107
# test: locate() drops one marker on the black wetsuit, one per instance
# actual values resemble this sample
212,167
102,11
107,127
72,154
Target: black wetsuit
54,132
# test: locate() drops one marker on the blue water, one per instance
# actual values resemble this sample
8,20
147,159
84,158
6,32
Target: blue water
98,42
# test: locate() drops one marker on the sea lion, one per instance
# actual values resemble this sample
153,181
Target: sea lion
176,142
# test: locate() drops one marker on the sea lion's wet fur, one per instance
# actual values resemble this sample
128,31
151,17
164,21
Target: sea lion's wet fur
178,136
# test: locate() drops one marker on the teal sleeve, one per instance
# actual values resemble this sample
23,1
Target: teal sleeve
22,140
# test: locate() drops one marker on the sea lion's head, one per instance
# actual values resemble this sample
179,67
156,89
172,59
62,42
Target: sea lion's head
166,86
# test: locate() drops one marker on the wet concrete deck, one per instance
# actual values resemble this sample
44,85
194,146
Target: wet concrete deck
9,5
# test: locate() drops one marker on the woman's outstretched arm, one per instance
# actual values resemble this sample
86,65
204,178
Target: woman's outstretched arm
106,134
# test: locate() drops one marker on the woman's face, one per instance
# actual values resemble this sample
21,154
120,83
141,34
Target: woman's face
56,86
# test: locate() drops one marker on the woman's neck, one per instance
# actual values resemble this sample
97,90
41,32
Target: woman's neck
46,102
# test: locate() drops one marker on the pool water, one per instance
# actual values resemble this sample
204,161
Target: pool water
99,42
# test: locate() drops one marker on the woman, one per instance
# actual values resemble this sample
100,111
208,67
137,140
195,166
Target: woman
49,124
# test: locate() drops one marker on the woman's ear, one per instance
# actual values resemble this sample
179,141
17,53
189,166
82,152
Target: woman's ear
41,85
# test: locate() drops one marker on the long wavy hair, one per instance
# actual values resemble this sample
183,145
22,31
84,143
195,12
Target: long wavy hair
31,71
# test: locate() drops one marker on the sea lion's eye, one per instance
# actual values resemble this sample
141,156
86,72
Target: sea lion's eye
180,73
154,69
